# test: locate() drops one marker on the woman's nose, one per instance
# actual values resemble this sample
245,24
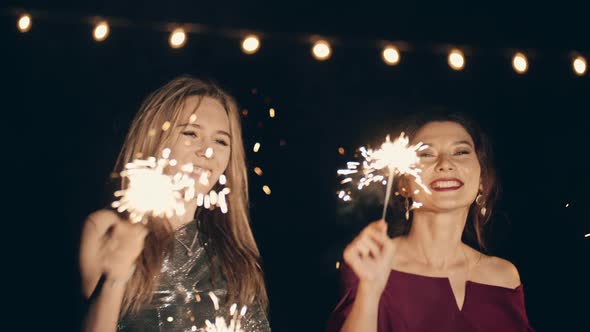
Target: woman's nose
444,164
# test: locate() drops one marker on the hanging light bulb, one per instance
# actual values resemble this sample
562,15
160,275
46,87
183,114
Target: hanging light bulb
250,44
390,55
456,59
177,38
520,63
579,64
24,23
101,31
321,50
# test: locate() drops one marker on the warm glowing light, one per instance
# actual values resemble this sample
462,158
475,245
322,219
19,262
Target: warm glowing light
390,55
250,44
177,38
209,153
380,166
150,192
456,59
520,63
101,31
258,171
256,147
579,66
337,265
219,324
341,151
266,189
24,23
321,50
271,112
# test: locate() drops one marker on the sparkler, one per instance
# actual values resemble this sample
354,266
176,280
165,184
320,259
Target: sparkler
221,325
151,192
396,157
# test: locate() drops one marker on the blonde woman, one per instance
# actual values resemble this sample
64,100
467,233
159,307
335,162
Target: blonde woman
156,276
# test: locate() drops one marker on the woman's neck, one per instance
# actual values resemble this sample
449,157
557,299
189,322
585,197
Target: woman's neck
435,237
189,215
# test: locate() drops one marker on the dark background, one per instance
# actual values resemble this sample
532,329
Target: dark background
69,102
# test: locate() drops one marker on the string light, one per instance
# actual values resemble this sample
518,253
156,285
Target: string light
177,38
24,23
266,190
321,50
579,65
101,31
256,147
520,63
341,151
250,44
258,171
456,59
271,112
390,55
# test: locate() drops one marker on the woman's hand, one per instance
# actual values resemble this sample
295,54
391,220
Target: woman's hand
122,243
370,256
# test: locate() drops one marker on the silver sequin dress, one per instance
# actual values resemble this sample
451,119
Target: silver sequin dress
182,302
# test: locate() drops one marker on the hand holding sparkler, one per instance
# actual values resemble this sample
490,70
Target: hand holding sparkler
370,256
120,244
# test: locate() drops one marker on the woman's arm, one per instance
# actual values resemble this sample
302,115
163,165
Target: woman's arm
370,256
364,313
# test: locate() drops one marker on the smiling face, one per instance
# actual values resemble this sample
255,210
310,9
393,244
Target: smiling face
450,167
202,137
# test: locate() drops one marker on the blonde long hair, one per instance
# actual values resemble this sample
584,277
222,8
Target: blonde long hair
230,234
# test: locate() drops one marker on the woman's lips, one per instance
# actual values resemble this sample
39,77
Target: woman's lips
446,184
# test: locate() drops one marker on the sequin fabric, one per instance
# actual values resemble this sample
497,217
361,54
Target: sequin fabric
182,302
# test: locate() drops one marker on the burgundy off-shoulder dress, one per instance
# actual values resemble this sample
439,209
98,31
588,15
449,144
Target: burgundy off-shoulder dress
415,303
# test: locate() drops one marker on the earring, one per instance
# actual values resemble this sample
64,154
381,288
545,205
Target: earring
479,200
407,206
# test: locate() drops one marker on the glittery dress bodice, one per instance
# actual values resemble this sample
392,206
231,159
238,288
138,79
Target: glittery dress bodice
182,301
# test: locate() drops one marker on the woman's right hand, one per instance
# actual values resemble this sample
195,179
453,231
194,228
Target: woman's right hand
370,256
121,243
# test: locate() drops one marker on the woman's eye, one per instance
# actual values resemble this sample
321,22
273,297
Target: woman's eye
462,152
189,133
222,142
425,154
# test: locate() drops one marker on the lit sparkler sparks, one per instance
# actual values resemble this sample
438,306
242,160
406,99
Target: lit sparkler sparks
151,192
235,323
396,157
